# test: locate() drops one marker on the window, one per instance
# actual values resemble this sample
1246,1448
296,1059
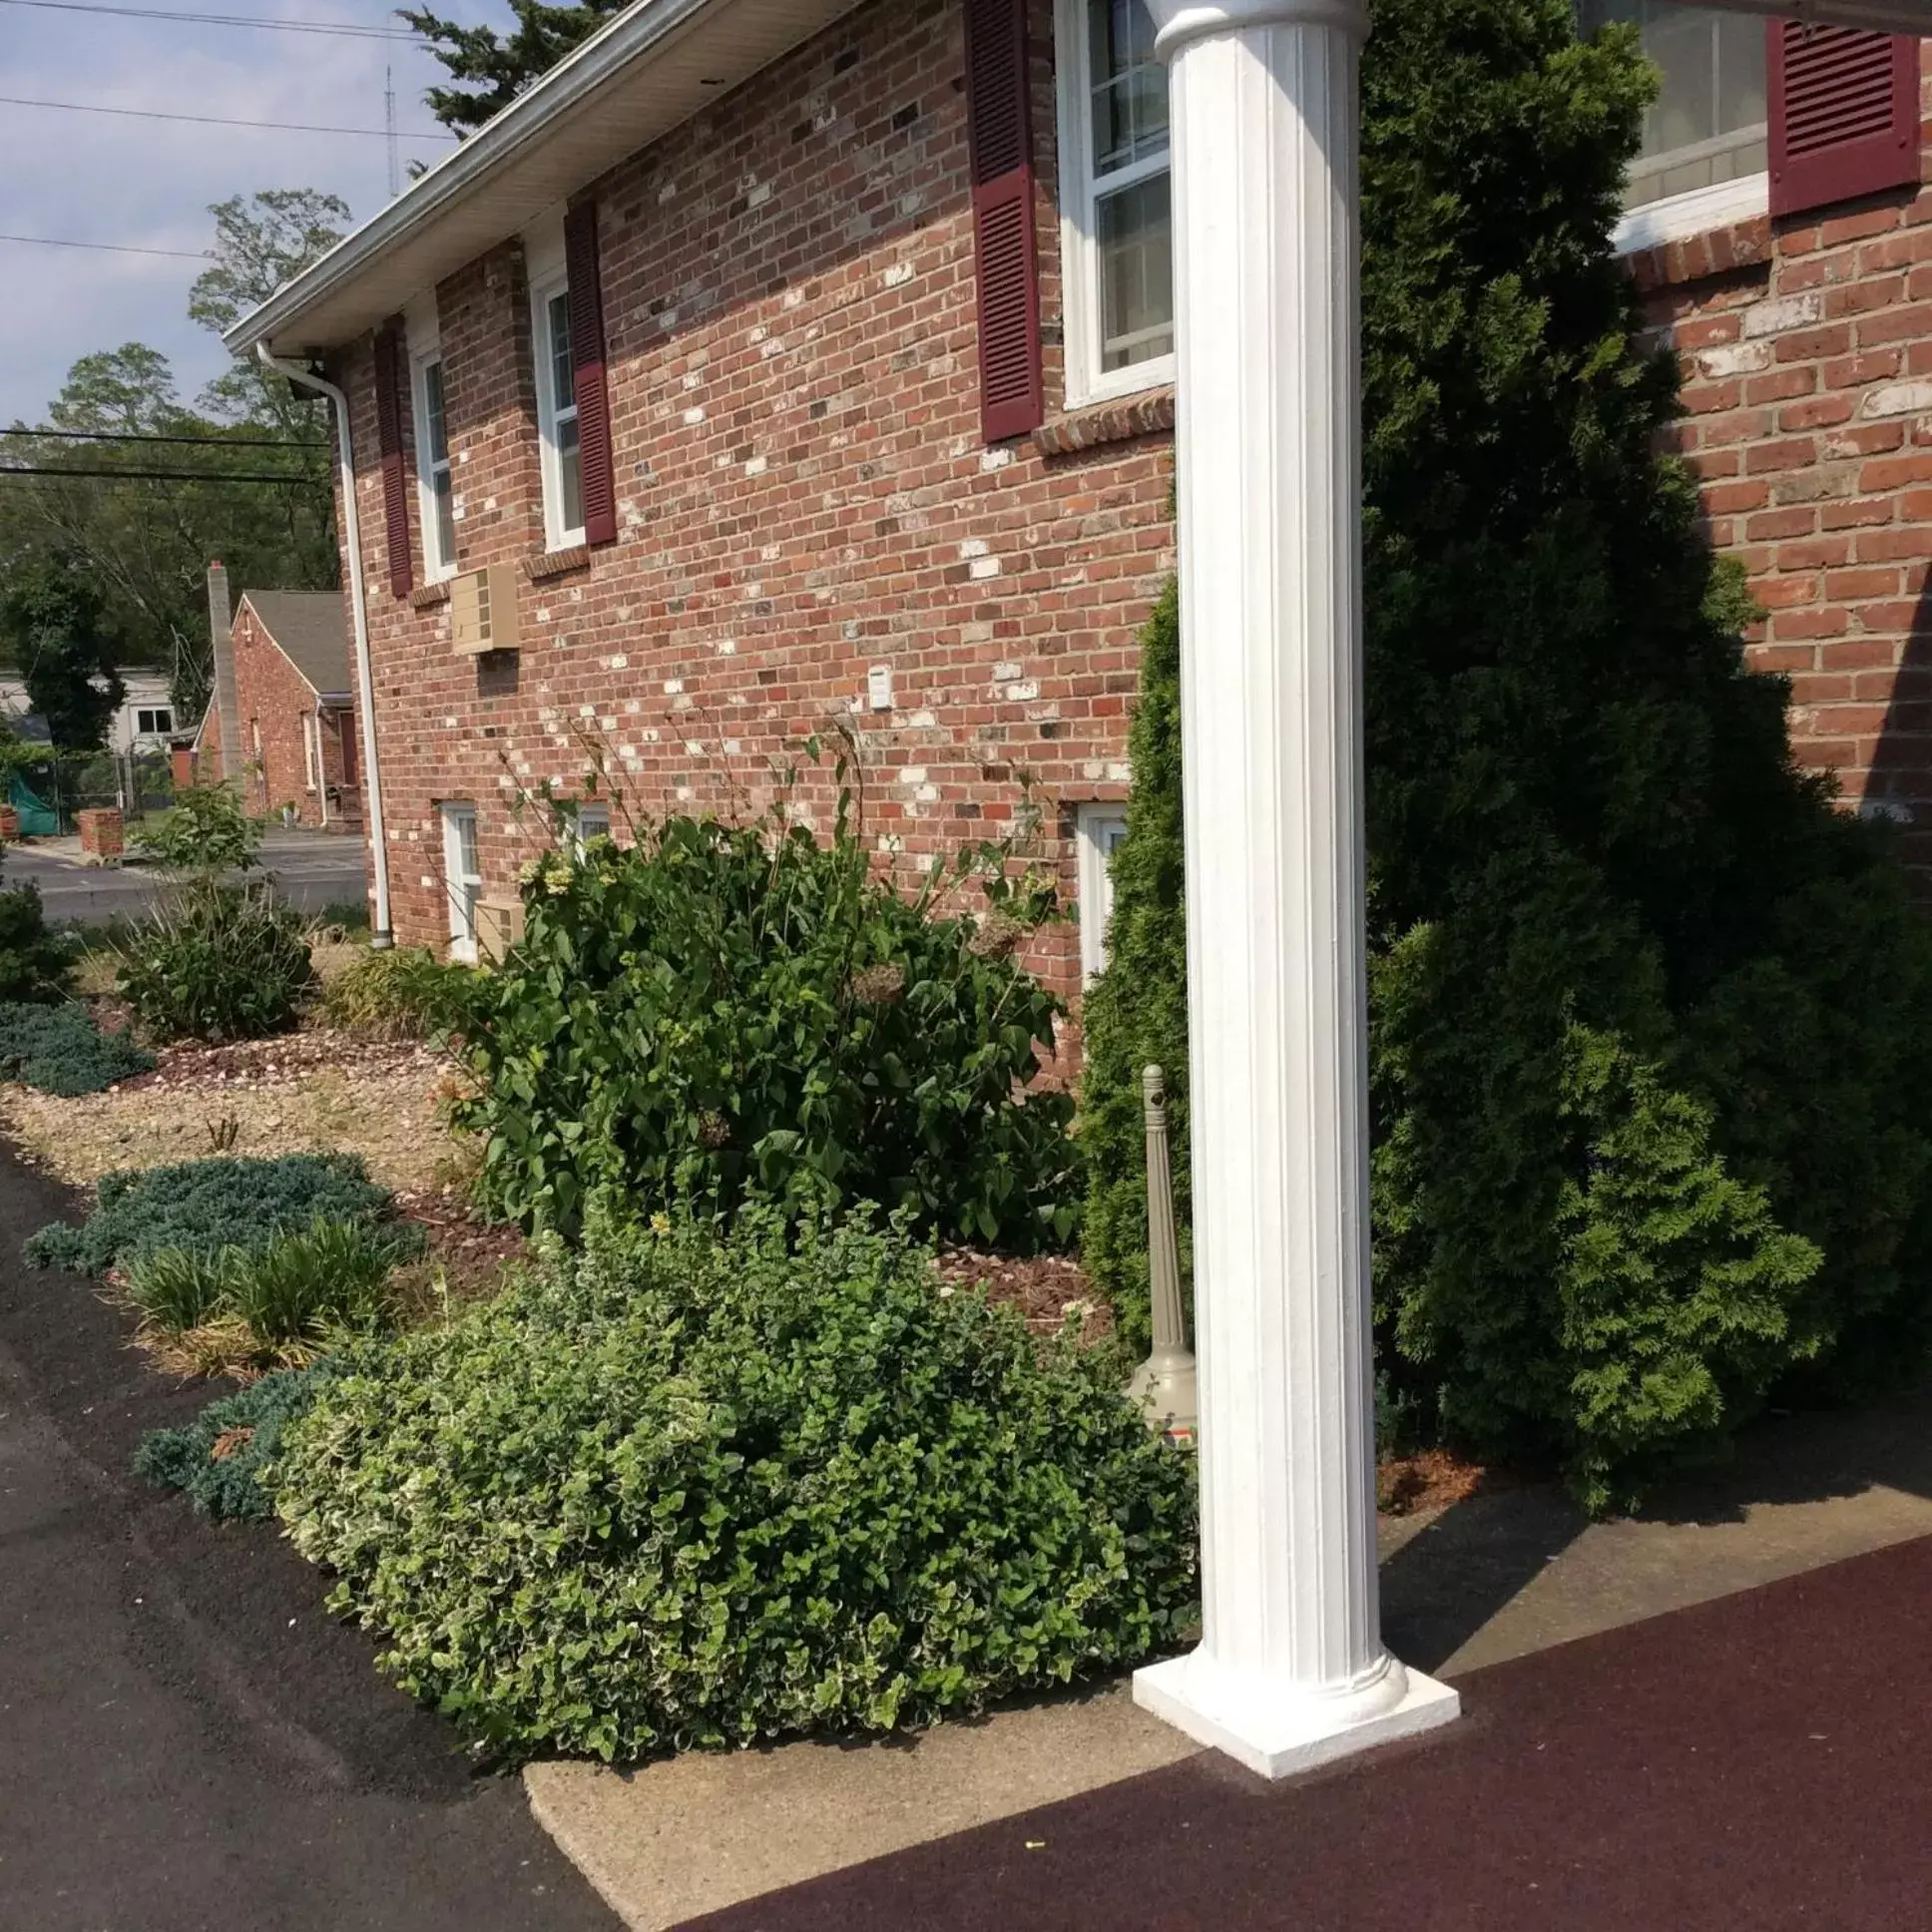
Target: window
1117,231
1098,830
1703,147
557,418
462,879
156,723
593,821
307,722
433,478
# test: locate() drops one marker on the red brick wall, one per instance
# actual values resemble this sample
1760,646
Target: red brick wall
1806,351
275,701
802,494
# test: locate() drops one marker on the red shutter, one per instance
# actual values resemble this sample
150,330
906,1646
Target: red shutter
1000,140
395,467
599,475
1844,112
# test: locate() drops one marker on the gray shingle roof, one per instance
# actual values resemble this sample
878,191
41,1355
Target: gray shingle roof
310,628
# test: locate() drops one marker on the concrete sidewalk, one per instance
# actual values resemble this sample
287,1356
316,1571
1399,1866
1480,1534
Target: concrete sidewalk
1508,1572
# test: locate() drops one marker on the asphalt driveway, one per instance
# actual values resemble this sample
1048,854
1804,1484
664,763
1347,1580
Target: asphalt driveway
312,870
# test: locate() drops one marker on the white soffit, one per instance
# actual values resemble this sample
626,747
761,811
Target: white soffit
651,69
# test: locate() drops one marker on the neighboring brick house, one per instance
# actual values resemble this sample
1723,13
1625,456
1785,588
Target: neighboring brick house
294,709
773,366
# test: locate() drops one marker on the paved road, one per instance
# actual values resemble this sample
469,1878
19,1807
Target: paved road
187,1742
312,870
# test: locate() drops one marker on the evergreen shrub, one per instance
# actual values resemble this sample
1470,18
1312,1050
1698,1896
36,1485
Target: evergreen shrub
688,1488
35,964
206,1206
723,1013
1650,1021
60,1050
219,1457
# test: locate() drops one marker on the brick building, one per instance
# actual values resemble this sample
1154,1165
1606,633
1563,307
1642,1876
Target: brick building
777,367
295,716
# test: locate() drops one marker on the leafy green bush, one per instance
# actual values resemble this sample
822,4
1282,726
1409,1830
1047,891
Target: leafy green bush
685,1489
298,1287
404,993
207,831
206,1206
1650,1022
217,962
35,964
219,1457
722,1014
60,1050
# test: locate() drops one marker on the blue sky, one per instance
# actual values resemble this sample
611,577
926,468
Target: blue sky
99,178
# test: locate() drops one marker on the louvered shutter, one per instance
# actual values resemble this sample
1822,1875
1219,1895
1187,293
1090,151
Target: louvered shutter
1844,112
999,137
599,475
395,466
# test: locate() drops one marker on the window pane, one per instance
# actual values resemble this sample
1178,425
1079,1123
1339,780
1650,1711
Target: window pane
445,518
1130,88
1707,123
570,473
563,378
439,433
1135,274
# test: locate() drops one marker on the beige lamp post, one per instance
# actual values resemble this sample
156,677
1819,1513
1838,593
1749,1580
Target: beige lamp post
1164,1384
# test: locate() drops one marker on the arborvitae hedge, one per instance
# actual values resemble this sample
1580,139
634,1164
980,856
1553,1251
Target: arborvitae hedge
1650,1019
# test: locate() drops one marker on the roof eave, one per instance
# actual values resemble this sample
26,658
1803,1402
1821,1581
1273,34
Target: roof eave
521,157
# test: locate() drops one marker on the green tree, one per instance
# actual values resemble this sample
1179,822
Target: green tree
1651,1020
492,69
147,544
53,624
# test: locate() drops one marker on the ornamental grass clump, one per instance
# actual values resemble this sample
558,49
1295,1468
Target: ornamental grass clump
725,1014
691,1488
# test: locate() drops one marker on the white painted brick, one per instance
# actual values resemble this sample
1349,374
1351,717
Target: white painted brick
1897,399
983,567
913,774
1734,358
1024,691
1788,312
897,276
974,547
1005,669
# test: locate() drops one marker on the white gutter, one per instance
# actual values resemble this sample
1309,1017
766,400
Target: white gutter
384,936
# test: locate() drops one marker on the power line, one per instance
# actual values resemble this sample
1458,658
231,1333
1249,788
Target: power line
157,436
338,27
103,248
155,476
216,120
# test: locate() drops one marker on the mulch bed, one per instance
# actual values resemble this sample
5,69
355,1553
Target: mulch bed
1045,1288
277,1061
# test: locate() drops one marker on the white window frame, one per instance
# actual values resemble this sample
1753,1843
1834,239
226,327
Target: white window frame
422,329
152,715
1677,217
543,250
1098,832
461,889
591,820
310,725
1086,382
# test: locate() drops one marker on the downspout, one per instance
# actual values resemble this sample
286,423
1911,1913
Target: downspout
383,937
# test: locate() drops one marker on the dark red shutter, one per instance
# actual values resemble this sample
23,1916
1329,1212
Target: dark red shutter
395,466
1000,141
1844,112
599,474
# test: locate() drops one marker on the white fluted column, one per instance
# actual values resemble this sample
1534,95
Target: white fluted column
1290,1670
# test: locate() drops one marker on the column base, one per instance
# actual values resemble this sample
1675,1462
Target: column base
1279,1730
